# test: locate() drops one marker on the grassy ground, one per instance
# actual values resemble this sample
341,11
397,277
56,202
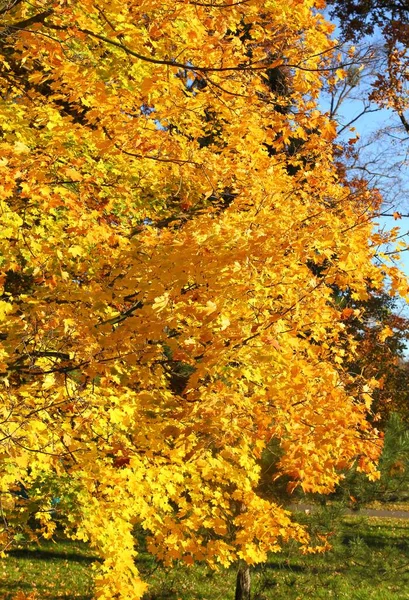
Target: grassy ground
58,569
398,505
369,561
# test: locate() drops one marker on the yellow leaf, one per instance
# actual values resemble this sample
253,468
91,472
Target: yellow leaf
161,302
210,307
21,148
73,174
5,309
76,251
385,333
224,322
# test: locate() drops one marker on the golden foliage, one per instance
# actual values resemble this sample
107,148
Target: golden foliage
172,227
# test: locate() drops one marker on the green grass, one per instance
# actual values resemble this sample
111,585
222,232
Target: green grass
369,561
398,505
58,569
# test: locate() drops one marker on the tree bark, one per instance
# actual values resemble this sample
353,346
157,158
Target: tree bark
243,583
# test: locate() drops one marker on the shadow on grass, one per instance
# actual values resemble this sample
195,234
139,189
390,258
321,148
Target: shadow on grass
164,595
41,554
13,588
377,541
281,566
71,597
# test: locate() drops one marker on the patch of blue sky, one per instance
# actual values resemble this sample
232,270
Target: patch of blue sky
383,145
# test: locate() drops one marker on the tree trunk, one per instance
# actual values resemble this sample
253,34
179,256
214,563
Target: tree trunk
243,583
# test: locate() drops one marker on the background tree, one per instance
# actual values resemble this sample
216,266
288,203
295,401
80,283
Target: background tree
381,31
381,335
376,79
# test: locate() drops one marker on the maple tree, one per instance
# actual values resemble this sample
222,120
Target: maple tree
169,196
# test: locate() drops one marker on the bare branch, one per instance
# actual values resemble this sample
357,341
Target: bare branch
403,120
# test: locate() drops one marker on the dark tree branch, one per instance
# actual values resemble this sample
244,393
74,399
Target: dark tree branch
121,317
405,123
39,18
39,354
401,216
258,65
215,5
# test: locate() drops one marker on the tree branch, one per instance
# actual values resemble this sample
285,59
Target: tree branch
39,18
403,120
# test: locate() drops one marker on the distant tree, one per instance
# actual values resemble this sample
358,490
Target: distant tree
359,18
390,20
393,485
381,335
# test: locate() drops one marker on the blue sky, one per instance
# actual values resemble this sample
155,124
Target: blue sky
367,127
386,155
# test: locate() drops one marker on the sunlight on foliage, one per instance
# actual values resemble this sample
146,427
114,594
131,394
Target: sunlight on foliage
173,230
